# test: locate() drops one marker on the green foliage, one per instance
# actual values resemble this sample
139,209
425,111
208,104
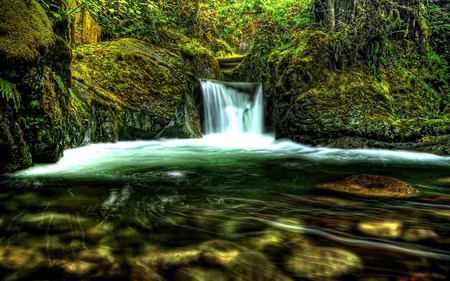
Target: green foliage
265,24
61,9
33,122
10,93
59,82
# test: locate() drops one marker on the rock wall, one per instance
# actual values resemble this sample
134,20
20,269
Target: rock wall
28,51
128,89
309,101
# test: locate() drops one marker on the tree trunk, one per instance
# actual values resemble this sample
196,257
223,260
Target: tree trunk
331,13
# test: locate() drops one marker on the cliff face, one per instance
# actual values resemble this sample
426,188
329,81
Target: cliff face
128,89
315,97
28,51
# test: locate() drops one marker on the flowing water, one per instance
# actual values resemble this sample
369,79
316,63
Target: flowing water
238,205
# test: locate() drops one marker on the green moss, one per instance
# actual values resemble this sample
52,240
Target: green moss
313,98
26,30
127,73
59,82
78,110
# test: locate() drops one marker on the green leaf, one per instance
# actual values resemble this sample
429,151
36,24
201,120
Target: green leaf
56,15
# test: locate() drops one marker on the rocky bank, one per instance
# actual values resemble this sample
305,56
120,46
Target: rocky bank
53,97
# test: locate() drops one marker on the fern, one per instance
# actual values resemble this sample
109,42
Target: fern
59,82
9,92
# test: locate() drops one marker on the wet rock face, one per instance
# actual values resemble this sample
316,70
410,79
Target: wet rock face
129,89
310,102
15,153
34,78
371,185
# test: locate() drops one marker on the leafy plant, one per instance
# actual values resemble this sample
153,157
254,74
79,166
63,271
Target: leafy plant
10,92
33,122
58,81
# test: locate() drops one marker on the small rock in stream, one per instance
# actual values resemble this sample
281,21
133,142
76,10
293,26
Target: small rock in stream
54,221
255,266
323,263
444,181
220,252
390,229
371,185
99,231
415,234
20,258
77,268
198,273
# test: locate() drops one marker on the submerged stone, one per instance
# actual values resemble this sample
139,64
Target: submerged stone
323,263
255,266
159,259
414,234
220,252
444,181
77,268
371,185
382,229
20,258
198,273
53,221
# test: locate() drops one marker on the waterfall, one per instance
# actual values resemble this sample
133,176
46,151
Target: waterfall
232,107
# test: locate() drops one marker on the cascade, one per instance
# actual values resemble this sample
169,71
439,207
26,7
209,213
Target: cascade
232,107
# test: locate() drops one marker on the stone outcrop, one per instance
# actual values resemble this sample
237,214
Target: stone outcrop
309,100
128,89
34,62
122,90
371,185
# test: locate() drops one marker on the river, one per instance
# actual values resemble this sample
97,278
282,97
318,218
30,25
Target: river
234,205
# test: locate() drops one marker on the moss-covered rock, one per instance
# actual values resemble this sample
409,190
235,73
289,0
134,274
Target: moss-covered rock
14,150
25,30
311,102
27,44
130,89
45,120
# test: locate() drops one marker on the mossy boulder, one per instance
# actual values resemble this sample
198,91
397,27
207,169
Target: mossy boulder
28,47
25,30
130,89
310,101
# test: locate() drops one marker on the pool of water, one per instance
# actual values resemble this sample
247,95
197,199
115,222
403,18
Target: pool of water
225,207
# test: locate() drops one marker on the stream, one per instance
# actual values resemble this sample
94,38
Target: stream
225,207
234,205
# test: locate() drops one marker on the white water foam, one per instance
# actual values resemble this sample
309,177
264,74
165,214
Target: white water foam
96,158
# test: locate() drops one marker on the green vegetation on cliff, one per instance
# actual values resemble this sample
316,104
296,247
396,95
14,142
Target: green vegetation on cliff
125,73
10,93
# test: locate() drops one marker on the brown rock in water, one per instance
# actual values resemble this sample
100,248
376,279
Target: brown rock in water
371,185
